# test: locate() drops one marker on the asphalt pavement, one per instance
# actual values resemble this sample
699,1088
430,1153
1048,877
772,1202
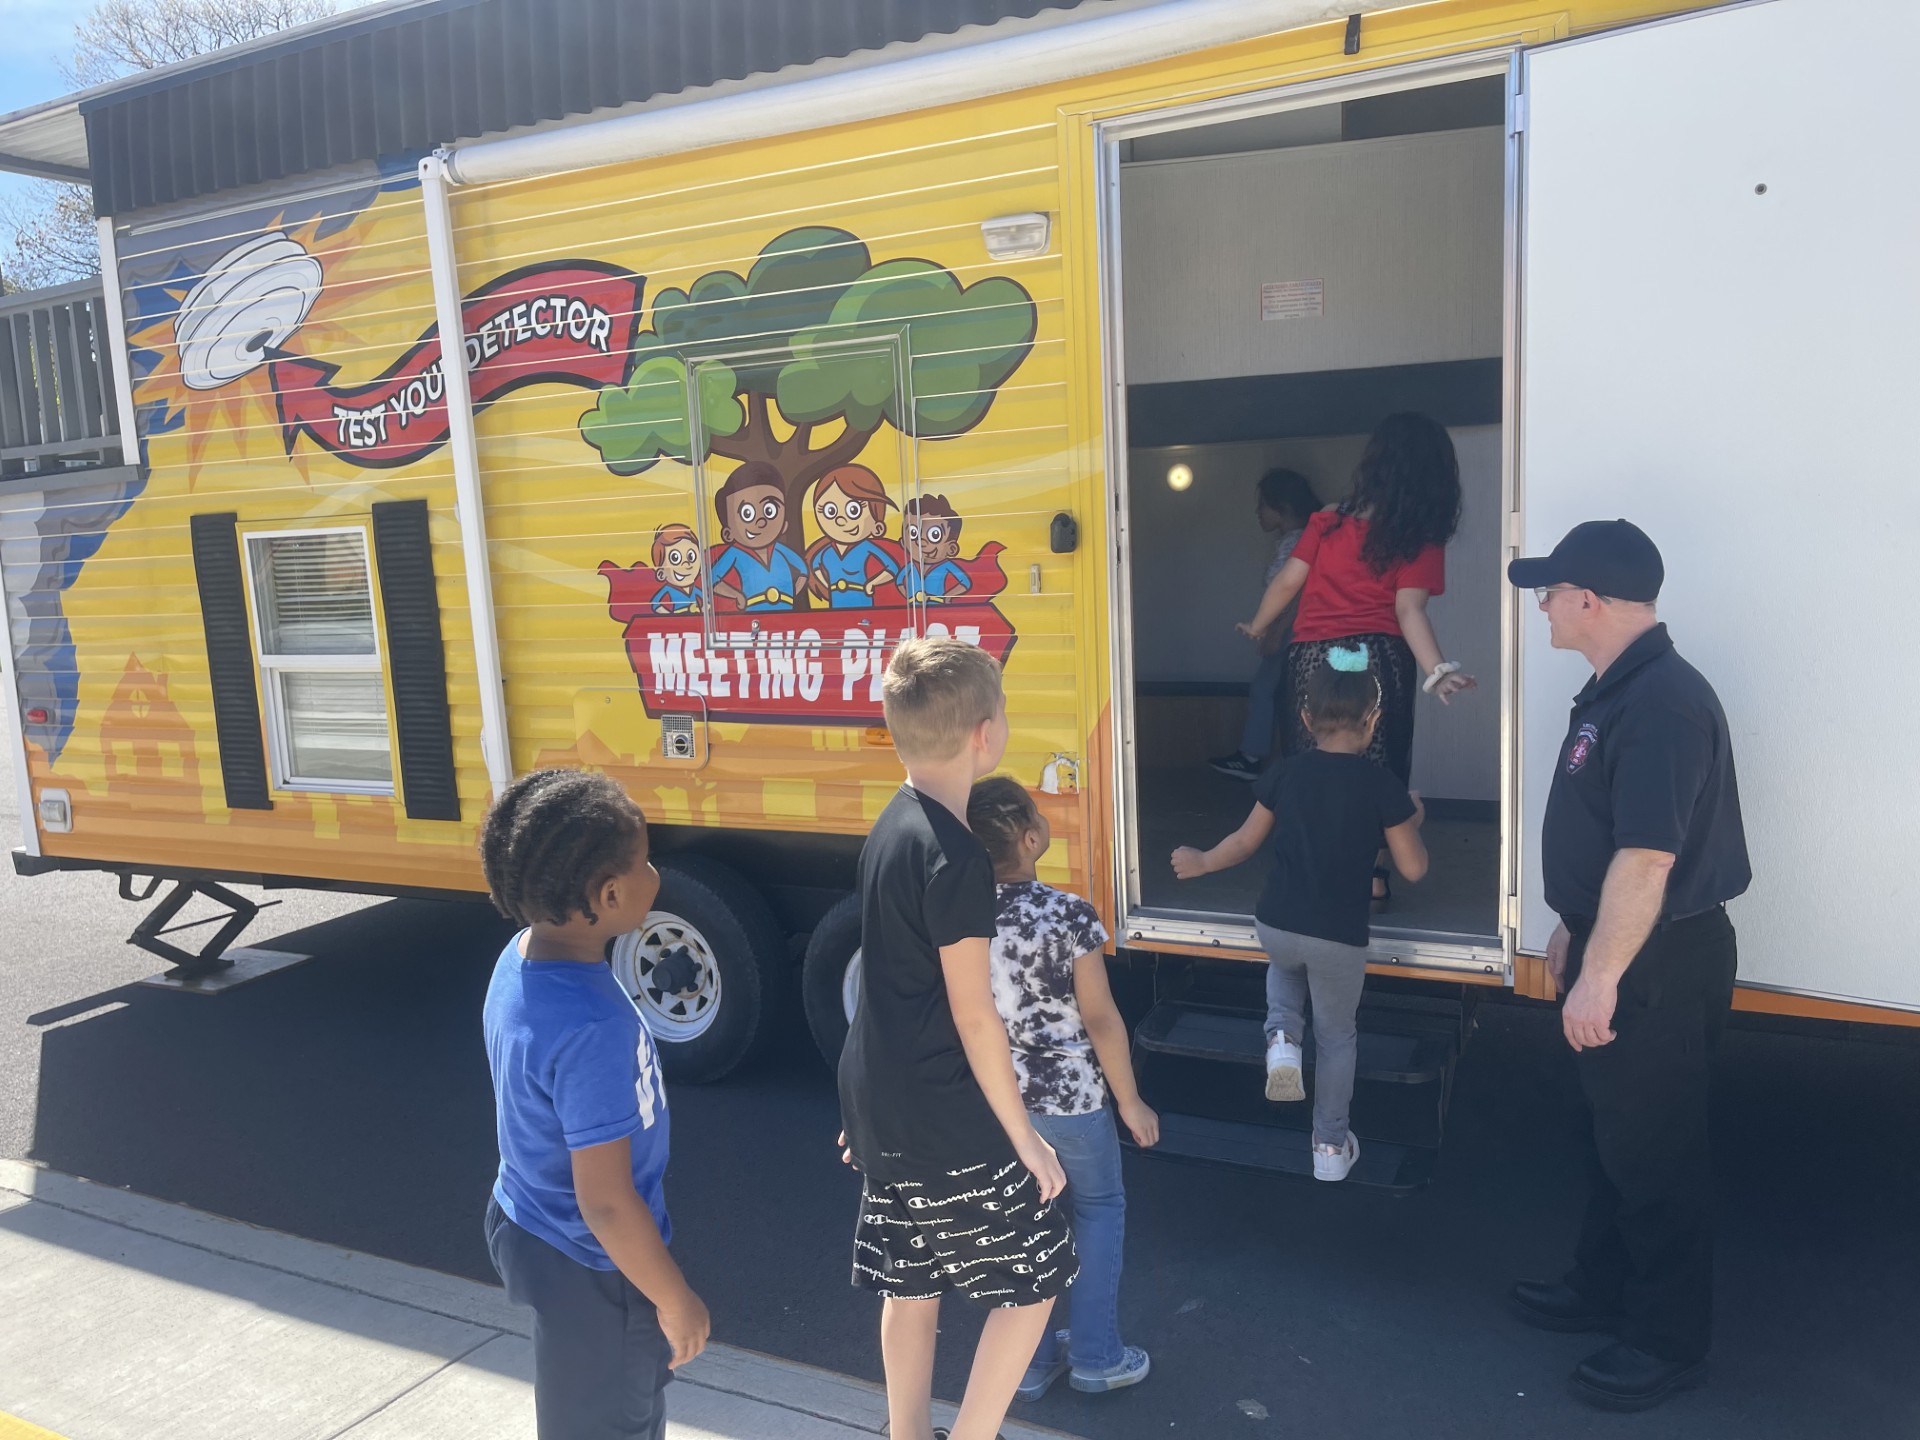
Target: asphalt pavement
346,1101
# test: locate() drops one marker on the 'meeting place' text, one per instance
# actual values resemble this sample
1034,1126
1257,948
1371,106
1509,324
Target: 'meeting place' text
793,665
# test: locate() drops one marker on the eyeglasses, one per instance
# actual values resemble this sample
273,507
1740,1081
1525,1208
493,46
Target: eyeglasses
1541,592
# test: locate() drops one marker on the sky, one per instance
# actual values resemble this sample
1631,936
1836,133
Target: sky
39,35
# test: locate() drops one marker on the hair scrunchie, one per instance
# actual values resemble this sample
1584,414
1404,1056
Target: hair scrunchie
1349,659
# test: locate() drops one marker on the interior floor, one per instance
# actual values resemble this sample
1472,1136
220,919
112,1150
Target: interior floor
1192,805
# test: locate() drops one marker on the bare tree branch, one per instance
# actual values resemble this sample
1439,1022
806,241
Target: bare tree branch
123,37
49,237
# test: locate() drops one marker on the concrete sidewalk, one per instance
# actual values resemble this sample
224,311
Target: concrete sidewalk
125,1318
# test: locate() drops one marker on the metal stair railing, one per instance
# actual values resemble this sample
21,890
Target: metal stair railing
58,410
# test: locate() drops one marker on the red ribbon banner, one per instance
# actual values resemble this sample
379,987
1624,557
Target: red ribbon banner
570,322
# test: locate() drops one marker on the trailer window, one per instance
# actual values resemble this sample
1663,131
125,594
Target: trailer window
320,669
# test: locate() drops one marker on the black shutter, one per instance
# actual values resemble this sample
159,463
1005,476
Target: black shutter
236,697
416,659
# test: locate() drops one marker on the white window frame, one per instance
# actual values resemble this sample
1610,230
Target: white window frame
273,667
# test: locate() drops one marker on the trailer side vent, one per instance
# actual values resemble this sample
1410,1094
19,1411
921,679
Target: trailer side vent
417,658
676,737
236,695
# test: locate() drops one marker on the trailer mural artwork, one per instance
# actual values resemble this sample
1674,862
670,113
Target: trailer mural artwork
815,341
569,322
769,374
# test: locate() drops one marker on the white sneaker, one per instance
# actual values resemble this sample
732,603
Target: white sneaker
1333,1164
1283,1070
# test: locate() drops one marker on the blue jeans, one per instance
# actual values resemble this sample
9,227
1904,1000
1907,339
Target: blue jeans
1268,690
1089,1151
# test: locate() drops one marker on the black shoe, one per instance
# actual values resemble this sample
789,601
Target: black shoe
1238,765
1622,1377
1553,1305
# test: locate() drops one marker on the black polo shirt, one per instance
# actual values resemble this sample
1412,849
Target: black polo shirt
1647,765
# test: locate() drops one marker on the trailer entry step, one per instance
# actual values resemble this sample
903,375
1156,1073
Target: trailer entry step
1383,1165
1392,1050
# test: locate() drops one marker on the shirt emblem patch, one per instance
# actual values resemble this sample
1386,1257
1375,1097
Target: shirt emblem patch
1583,743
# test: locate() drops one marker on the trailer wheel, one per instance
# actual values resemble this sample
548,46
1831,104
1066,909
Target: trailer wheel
706,972
830,978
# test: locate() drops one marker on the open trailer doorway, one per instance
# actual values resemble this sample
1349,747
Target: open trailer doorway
1284,279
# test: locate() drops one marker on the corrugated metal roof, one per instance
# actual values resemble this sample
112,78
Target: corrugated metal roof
407,78
49,141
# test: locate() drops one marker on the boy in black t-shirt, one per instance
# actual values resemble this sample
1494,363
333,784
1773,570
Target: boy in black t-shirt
1328,810
959,1187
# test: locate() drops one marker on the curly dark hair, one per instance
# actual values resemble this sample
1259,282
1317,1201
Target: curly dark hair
1288,492
999,812
552,839
1408,487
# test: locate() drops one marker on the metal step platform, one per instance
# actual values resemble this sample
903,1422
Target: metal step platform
1415,1056
1383,1165
1200,1062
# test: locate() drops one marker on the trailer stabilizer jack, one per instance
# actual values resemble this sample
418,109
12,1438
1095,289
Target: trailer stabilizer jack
215,966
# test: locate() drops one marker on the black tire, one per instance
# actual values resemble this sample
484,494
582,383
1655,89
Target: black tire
749,954
823,974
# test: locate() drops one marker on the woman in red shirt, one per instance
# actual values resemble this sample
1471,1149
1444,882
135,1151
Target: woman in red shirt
1363,572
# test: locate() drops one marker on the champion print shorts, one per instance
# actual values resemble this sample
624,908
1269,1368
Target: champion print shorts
981,1232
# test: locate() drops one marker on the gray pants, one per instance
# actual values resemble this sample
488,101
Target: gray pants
1299,966
600,1359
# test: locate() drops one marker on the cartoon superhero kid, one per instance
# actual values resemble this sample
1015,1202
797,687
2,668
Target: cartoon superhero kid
676,565
932,531
850,507
756,570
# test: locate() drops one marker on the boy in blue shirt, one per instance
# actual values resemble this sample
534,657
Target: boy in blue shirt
577,1226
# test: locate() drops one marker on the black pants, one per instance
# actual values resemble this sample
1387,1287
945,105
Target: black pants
600,1360
1646,1243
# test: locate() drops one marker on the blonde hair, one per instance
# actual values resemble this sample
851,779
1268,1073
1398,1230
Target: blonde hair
935,694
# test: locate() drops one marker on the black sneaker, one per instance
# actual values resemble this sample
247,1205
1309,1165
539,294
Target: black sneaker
1239,765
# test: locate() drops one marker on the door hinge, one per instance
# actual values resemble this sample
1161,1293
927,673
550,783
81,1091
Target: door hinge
1510,909
1518,124
1516,536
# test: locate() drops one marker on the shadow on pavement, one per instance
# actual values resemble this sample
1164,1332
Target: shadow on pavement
329,1100
347,1101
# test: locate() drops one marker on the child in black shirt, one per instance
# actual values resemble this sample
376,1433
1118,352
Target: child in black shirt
1328,810
959,1186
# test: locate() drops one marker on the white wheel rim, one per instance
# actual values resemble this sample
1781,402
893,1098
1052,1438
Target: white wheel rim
645,962
850,986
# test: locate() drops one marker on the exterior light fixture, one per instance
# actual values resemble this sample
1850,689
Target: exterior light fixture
1014,237
1179,477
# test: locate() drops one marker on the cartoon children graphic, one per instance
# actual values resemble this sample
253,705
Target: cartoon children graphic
850,506
932,532
676,564
756,570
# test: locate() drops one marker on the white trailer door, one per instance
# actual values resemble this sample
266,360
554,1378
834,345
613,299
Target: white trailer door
1720,340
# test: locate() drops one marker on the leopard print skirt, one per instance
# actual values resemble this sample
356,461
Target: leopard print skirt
1392,661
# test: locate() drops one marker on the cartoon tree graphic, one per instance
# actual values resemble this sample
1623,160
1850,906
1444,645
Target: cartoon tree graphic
812,330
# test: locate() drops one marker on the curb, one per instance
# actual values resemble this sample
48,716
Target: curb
747,1374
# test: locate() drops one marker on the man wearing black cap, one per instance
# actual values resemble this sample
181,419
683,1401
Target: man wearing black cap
1641,849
